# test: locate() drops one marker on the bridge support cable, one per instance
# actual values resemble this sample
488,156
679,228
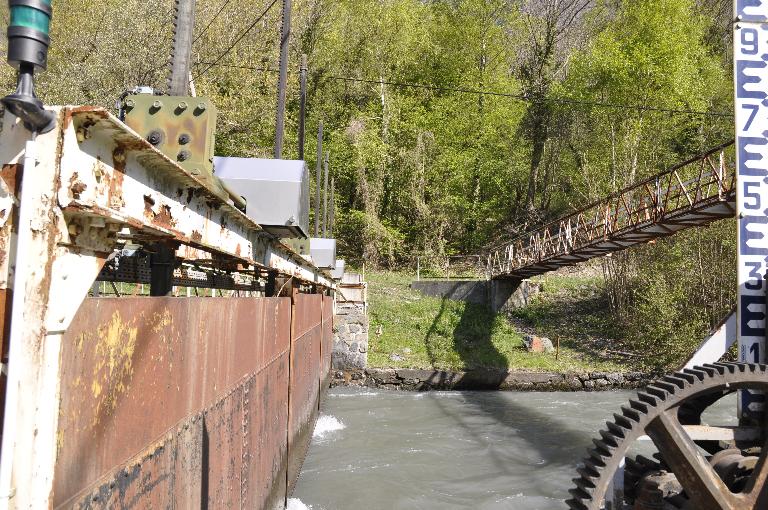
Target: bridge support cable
690,194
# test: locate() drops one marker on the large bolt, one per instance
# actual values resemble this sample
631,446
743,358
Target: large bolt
184,155
155,137
184,139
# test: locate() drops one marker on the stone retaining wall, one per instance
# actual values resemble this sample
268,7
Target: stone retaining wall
423,380
350,337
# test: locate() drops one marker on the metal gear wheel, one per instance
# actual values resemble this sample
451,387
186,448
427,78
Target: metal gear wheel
706,475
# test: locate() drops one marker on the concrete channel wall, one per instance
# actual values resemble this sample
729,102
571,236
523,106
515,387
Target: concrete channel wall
190,402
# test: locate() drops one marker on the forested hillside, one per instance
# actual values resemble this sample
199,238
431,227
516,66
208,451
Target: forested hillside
453,124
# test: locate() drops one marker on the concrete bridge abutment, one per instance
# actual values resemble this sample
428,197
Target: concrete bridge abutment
498,295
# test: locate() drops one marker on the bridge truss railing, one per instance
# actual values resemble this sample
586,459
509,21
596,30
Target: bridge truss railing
695,192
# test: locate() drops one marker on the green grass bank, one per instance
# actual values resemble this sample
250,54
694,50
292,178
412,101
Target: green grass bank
409,330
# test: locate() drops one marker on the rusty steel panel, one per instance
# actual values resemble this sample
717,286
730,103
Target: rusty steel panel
304,389
266,431
265,408
167,474
132,368
224,451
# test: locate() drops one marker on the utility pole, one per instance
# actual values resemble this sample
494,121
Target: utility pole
285,35
302,103
325,197
332,212
318,164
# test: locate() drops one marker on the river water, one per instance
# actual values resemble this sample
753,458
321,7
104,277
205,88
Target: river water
448,450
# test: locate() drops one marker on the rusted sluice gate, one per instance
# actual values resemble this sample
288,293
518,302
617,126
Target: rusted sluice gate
138,401
212,392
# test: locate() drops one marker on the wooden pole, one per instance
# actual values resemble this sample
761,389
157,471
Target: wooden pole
302,103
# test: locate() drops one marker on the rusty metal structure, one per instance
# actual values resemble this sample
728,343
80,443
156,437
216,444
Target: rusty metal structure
693,193
201,394
156,401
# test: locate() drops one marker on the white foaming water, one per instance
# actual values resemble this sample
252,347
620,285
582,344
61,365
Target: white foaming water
325,425
356,394
296,504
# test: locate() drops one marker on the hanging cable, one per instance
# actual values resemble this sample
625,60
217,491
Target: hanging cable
237,40
519,97
208,25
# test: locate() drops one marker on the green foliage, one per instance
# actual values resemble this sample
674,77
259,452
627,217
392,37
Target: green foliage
668,295
356,228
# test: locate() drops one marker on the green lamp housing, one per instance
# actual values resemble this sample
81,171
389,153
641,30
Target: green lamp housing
28,38
28,43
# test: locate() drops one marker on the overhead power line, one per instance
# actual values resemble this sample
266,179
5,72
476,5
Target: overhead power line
237,40
208,25
518,97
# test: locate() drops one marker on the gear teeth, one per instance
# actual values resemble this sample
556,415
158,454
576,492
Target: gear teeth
590,465
632,413
579,494
575,504
686,376
617,430
609,438
585,485
597,457
588,472
647,463
726,366
667,392
720,370
677,382
603,447
698,374
666,386
632,465
622,421
647,398
656,391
